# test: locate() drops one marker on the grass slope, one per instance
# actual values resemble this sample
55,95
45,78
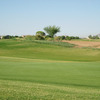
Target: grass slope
39,71
37,50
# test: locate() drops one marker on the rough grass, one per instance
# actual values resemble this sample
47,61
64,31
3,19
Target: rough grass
59,43
16,90
39,71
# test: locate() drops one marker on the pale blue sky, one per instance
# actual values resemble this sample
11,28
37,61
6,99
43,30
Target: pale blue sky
75,17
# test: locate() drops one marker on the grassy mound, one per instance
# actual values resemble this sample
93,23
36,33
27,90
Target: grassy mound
49,51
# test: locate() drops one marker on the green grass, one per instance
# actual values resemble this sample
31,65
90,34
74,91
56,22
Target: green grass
44,71
17,90
37,50
63,44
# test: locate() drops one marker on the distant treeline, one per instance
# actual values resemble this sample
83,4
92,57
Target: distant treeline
93,37
47,37
40,37
50,34
9,37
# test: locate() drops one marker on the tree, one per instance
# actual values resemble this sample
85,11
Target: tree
90,36
93,37
63,37
68,38
7,37
40,33
52,30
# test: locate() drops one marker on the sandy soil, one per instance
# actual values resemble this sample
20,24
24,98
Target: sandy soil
84,43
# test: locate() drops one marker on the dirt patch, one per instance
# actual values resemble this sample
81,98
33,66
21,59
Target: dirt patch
84,43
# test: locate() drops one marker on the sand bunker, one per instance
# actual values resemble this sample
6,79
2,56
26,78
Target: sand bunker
84,43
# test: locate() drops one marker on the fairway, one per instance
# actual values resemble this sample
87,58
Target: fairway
37,71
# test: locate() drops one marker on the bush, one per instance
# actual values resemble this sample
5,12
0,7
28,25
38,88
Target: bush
8,37
29,37
49,39
71,37
48,36
40,33
77,37
57,38
39,37
68,38
93,37
63,37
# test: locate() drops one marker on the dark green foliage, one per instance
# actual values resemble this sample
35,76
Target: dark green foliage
71,37
93,37
8,37
77,37
16,36
39,37
40,33
63,37
48,36
52,30
68,38
90,36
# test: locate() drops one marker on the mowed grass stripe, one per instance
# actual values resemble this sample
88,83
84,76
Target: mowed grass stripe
16,59
76,74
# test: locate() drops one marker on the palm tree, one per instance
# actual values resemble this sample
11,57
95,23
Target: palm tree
52,30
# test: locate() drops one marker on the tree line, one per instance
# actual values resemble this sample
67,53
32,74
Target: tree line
49,34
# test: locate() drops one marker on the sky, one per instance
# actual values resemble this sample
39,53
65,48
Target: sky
26,17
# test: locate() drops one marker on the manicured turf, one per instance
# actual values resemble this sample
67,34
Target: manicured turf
35,71
37,50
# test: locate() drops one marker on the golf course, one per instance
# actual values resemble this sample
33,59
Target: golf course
48,70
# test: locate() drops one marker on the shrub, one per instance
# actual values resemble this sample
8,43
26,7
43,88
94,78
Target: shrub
49,39
93,37
71,37
29,37
63,37
68,38
40,33
57,38
39,37
8,37
77,37
47,36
